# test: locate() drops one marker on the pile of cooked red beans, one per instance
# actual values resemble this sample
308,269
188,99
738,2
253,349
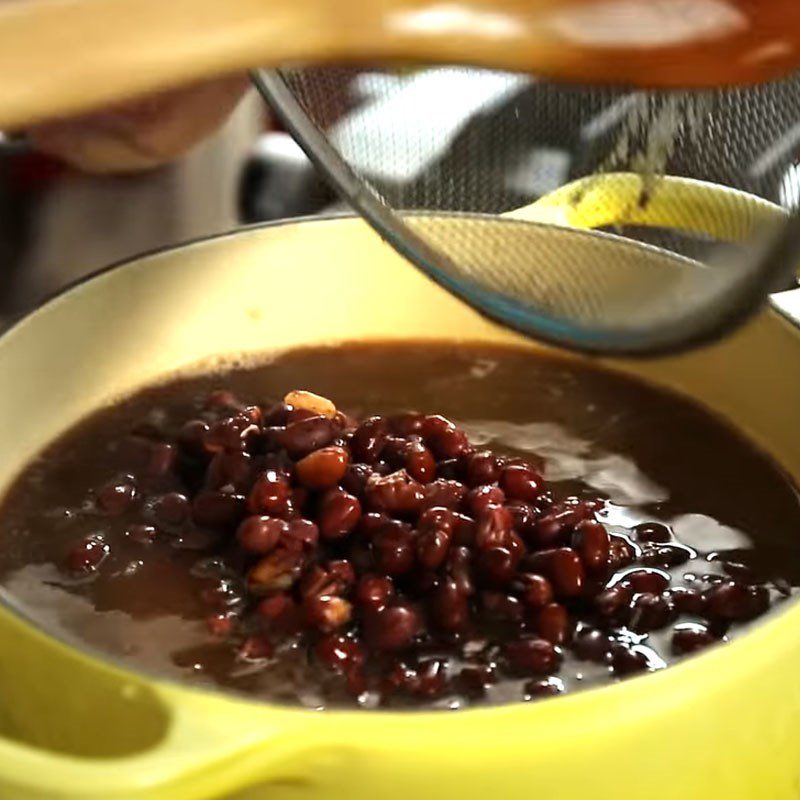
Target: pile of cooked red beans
374,542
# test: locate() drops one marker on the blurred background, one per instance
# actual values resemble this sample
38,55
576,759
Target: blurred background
440,125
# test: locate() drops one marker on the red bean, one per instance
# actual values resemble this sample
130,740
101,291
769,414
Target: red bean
323,468
420,463
593,544
396,494
739,572
654,532
407,424
610,602
260,534
279,612
482,498
464,530
370,523
162,460
374,591
302,531
339,653
171,510
340,512
276,415
355,479
142,534
689,639
734,602
521,482
192,438
554,526
318,581
474,680
87,554
432,547
437,518
687,601
499,605
369,440
255,648
562,567
647,580
553,624
442,436
116,498
620,554
220,625
443,493
482,468
431,679
306,435
493,527
626,661
666,556
299,499
649,612
393,550
235,433
450,606
399,678
592,645
532,657
343,572
459,568
222,594
517,547
327,613
544,687
524,519
270,494
497,565
218,510
536,590
230,468
393,628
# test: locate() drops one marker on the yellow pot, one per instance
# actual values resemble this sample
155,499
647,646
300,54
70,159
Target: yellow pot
722,725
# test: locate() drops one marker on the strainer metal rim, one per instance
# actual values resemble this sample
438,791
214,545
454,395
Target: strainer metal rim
657,340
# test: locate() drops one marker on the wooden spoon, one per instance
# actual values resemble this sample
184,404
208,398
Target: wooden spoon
60,57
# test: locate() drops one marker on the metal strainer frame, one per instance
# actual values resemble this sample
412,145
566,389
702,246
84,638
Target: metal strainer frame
778,247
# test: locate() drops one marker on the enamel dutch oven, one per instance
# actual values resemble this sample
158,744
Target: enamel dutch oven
73,724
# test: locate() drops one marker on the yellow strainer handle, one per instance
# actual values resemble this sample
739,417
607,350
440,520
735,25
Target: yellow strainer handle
682,204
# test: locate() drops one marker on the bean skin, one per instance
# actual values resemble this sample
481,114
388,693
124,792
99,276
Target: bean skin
394,560
393,628
340,513
323,468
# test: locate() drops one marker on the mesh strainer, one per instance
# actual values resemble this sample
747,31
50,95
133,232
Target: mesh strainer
604,220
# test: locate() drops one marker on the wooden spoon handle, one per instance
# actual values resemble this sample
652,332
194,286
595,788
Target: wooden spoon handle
59,57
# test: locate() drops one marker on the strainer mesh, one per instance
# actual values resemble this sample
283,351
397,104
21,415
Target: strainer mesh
482,143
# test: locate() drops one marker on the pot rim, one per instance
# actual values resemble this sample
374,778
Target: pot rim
661,683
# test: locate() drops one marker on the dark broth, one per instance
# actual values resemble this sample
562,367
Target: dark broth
652,456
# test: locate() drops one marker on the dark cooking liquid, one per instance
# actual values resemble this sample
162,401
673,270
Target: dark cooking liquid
651,456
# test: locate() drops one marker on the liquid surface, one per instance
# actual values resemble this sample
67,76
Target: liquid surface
645,456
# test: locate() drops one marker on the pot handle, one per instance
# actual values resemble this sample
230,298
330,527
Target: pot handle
74,726
212,748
